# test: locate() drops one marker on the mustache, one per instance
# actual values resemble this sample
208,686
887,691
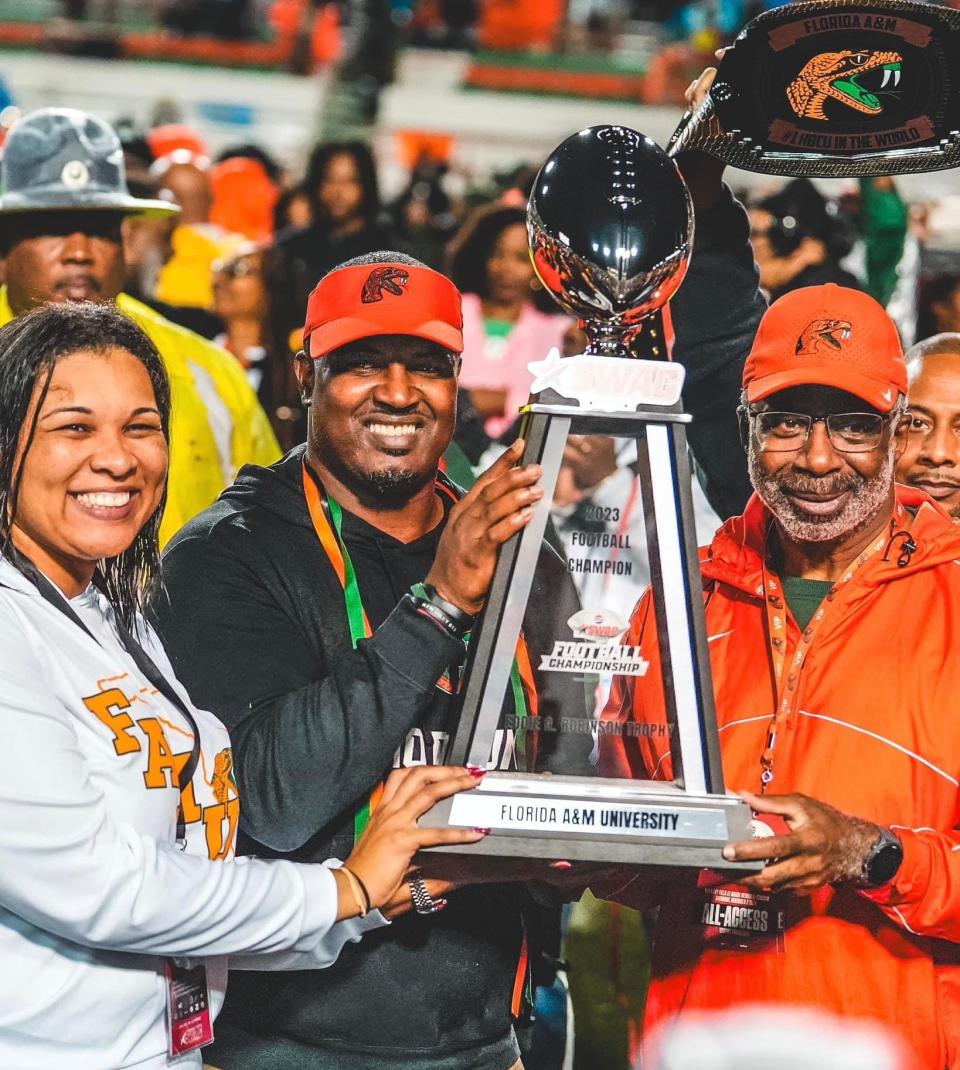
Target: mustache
819,485
90,281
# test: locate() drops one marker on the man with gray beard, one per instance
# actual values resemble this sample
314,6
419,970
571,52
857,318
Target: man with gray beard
833,615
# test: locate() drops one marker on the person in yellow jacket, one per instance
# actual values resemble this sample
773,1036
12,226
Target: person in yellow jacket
63,202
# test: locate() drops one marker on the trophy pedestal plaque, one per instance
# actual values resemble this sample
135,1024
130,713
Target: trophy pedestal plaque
610,229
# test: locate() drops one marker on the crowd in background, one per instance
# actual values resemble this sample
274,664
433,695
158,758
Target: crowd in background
252,239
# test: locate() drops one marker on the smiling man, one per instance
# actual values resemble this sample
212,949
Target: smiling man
834,601
931,458
320,608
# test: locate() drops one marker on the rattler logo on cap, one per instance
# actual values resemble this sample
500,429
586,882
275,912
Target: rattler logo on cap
393,280
822,336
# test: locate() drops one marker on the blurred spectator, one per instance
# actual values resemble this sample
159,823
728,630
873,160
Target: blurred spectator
244,197
938,305
185,280
185,175
799,239
168,138
294,209
503,327
253,152
241,299
884,218
931,456
341,184
341,180
423,212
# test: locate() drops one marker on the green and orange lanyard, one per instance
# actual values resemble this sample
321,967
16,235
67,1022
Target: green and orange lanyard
786,675
327,516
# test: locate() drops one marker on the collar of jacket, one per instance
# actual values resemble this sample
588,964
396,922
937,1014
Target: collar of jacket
736,554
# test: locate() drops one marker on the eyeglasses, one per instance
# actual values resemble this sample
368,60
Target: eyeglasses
849,432
236,269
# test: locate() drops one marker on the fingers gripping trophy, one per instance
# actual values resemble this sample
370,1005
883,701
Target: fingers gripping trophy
610,226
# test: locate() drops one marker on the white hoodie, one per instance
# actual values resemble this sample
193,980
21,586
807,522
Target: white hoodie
94,893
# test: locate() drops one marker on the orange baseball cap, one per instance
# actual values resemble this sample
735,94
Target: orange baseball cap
827,336
367,300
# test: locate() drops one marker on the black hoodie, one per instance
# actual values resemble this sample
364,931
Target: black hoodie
253,618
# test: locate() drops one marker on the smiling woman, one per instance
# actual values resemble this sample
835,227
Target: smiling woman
84,426
118,805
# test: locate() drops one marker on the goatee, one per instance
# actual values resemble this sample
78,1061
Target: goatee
865,500
386,490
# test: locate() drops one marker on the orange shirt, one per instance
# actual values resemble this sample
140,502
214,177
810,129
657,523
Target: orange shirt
874,730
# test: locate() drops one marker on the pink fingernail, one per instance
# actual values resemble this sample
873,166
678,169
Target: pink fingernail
561,865
476,770
483,832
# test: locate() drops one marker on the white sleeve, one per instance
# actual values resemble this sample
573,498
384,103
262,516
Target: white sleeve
349,931
71,868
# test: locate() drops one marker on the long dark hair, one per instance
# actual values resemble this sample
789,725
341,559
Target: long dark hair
30,348
366,172
472,247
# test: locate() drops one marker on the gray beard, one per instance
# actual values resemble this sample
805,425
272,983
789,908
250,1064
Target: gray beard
867,498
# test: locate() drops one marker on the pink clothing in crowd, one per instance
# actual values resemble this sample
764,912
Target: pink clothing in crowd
534,335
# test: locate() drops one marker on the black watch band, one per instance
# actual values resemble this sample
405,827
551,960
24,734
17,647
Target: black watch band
448,616
883,861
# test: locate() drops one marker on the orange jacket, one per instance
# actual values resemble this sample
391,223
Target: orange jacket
874,731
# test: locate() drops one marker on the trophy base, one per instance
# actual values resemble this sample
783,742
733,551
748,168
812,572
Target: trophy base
596,820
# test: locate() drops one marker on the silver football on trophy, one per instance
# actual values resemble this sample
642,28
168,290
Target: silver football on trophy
610,225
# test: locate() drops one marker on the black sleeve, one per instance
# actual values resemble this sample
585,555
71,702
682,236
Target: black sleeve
309,740
715,316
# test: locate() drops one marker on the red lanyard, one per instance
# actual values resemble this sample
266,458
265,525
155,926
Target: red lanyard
786,674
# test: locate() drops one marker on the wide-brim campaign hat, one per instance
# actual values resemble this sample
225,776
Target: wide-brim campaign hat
61,159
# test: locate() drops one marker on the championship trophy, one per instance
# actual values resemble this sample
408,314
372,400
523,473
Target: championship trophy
835,88
610,225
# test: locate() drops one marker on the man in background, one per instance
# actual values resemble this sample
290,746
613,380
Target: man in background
63,204
931,457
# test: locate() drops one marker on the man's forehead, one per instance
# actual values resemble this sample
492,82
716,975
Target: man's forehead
25,225
936,372
815,400
393,347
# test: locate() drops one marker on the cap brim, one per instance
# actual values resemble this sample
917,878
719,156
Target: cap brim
20,204
330,336
880,395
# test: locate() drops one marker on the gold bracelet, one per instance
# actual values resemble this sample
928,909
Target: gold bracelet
355,887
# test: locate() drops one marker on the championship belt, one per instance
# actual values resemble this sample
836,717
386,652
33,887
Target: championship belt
835,88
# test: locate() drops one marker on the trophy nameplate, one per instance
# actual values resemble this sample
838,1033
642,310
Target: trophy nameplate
611,230
835,88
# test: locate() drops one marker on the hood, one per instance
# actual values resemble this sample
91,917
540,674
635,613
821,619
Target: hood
736,553
278,489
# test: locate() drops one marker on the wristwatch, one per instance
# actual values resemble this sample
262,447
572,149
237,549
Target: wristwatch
423,901
883,861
